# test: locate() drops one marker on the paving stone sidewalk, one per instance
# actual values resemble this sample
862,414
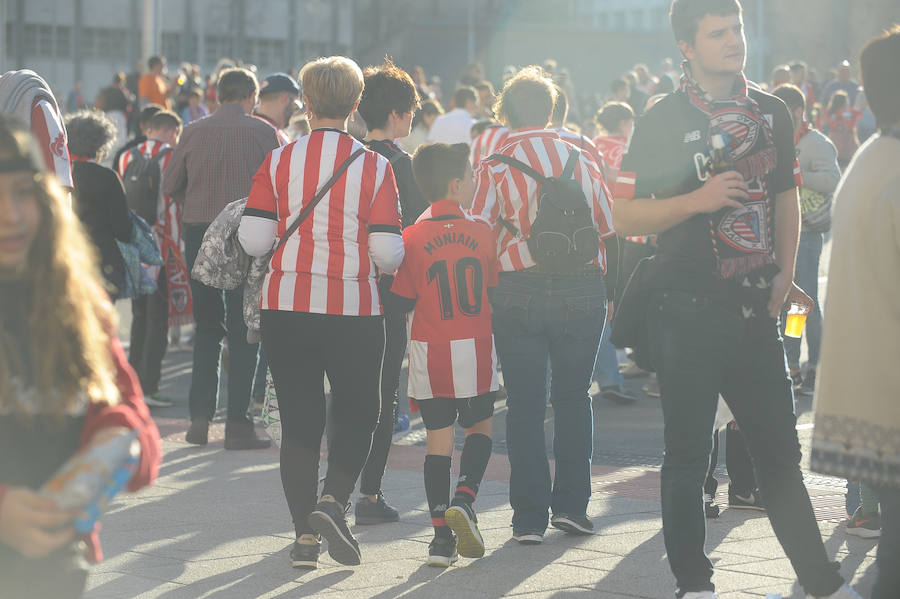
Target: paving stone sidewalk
216,525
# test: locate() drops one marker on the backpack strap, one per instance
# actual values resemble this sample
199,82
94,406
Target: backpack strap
569,169
318,197
520,166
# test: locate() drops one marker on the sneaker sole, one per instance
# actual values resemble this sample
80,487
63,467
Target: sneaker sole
570,526
304,564
528,539
441,561
469,540
864,533
340,548
756,508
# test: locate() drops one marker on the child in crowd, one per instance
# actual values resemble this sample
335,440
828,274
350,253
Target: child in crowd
449,264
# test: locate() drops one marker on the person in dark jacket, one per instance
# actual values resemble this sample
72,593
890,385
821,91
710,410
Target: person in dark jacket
99,197
388,102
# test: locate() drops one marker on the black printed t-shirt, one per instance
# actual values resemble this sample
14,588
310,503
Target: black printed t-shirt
666,158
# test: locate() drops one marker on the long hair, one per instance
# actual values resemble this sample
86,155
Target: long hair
68,315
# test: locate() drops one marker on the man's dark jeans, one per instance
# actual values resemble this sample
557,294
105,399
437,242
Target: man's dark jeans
540,322
888,581
700,347
218,314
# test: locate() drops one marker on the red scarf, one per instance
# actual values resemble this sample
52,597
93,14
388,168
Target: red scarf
742,238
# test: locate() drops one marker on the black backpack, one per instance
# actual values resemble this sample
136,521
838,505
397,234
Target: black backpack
141,180
563,236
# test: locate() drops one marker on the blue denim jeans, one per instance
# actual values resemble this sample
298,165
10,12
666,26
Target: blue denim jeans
806,275
547,329
702,346
606,367
218,314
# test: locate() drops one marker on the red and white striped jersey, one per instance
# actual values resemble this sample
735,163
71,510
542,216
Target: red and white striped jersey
613,149
324,267
448,265
487,143
502,191
47,127
582,143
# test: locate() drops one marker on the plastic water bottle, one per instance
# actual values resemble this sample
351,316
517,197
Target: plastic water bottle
90,479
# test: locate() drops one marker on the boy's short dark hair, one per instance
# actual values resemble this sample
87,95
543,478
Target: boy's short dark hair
236,84
880,67
791,95
463,96
154,61
612,114
387,88
685,14
164,120
435,165
148,112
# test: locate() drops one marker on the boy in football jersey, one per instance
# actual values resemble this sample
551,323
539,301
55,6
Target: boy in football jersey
449,264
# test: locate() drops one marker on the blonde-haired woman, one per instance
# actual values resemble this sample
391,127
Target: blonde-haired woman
64,380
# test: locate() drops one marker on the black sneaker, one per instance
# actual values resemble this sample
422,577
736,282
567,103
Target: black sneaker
751,501
709,507
616,394
305,555
375,512
808,387
442,551
461,518
328,520
198,434
867,526
574,525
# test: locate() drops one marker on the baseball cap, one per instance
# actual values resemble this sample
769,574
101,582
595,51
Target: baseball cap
279,82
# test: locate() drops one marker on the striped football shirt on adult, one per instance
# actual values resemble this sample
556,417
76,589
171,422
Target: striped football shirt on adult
582,143
502,191
487,143
48,129
325,266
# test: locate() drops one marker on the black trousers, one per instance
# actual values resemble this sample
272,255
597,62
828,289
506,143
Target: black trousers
301,349
150,334
702,346
737,463
394,351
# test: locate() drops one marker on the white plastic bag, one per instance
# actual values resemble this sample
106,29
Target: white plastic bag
270,415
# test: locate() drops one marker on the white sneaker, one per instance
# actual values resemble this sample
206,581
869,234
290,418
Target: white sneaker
844,592
700,595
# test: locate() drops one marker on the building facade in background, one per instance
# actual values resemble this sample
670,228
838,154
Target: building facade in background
596,40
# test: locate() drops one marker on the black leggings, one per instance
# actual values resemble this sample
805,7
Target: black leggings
301,348
394,351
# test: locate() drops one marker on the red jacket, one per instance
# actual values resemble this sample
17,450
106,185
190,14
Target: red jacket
131,412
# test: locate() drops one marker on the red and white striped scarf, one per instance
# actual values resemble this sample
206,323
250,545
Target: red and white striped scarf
742,238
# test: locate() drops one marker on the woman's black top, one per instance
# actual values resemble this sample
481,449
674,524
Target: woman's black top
412,202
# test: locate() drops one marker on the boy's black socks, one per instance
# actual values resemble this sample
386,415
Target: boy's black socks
437,491
473,462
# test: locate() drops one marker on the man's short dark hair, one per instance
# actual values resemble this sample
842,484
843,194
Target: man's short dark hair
463,96
560,107
797,66
164,120
880,68
154,61
527,99
791,95
686,14
435,165
387,88
236,84
148,112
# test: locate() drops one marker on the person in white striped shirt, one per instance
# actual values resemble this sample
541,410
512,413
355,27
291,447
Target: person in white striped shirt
543,315
321,311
